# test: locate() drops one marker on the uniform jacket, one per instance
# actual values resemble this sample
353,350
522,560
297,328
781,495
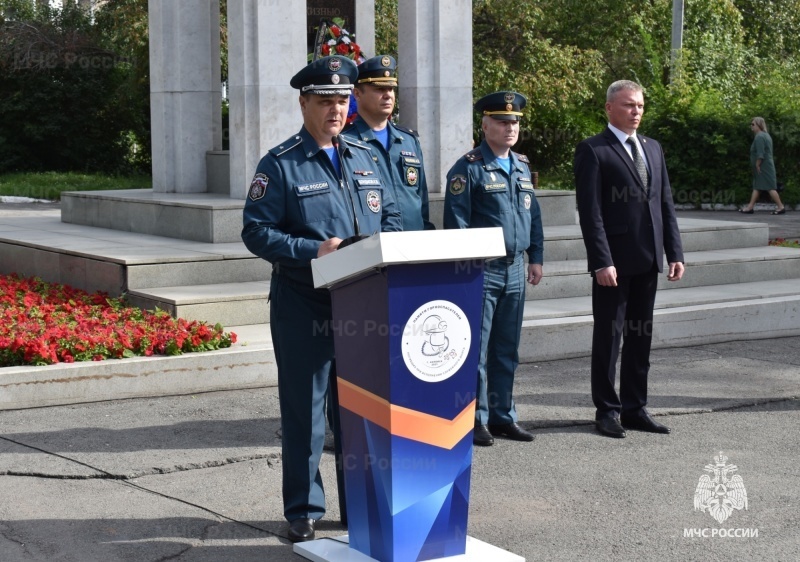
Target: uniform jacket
481,195
402,168
623,225
297,201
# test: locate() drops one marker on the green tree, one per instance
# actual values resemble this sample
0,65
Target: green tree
57,94
514,52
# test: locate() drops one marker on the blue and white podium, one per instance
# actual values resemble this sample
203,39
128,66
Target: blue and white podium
406,325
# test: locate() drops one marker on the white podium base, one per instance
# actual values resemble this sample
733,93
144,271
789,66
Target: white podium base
338,550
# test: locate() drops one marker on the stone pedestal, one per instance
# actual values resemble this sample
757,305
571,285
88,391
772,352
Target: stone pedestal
185,92
435,80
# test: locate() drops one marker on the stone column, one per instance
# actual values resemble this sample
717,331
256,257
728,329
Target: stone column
365,27
185,92
266,47
435,80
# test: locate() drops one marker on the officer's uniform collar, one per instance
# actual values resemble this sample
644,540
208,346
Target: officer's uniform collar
490,159
310,146
366,133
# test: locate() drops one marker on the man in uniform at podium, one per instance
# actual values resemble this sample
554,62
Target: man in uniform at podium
397,149
487,187
308,194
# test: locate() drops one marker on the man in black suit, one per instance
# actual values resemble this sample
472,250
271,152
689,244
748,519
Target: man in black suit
628,222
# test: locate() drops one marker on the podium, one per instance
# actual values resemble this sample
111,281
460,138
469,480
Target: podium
407,310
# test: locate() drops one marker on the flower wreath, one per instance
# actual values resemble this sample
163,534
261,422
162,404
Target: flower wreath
333,39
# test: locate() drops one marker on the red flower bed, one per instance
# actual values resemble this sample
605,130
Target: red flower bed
44,323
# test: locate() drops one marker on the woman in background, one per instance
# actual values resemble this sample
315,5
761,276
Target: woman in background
763,167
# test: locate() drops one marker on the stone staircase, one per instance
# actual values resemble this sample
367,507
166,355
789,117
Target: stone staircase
736,286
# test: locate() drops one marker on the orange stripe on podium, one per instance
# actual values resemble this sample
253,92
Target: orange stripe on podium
405,422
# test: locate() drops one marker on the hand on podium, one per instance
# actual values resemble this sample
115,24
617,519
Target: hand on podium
330,245
351,240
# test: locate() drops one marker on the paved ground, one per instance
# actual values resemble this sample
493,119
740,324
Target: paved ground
197,478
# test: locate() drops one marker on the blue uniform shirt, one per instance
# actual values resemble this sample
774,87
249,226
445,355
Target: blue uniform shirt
402,168
481,194
297,200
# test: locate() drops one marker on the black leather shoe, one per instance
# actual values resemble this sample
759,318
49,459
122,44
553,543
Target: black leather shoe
511,431
301,530
610,427
643,422
482,436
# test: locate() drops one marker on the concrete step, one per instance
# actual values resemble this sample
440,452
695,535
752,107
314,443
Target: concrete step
569,278
565,242
230,304
764,317
202,217
239,267
549,309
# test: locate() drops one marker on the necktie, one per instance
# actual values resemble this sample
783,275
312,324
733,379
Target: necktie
638,163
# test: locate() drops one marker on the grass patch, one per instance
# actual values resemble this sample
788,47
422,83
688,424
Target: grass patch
49,185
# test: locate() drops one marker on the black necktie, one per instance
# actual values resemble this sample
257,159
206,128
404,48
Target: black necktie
638,163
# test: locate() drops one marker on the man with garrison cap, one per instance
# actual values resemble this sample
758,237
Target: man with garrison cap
396,148
310,193
487,187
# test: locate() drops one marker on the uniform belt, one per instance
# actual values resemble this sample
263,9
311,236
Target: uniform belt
508,260
300,275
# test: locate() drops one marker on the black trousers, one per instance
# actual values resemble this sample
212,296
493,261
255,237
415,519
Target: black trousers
622,315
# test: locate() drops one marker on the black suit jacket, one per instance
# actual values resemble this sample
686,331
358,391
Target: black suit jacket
623,225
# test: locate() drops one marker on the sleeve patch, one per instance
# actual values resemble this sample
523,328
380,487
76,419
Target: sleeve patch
258,187
458,184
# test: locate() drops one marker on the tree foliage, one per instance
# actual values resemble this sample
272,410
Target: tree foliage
739,60
59,93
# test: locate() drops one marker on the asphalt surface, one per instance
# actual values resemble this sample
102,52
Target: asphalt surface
198,477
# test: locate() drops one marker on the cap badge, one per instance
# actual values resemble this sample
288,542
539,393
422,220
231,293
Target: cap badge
335,64
386,61
334,78
509,97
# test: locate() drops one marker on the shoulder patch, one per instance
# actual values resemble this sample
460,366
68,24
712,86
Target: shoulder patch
407,130
457,184
473,155
286,145
522,158
258,187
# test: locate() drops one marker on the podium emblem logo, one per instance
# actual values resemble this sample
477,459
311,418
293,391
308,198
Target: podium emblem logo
436,341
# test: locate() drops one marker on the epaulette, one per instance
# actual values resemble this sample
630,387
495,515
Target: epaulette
474,154
355,142
522,158
407,130
286,146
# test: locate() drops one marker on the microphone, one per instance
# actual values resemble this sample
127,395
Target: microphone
345,184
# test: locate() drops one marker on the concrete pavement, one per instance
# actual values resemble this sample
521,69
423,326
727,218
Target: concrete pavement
197,478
